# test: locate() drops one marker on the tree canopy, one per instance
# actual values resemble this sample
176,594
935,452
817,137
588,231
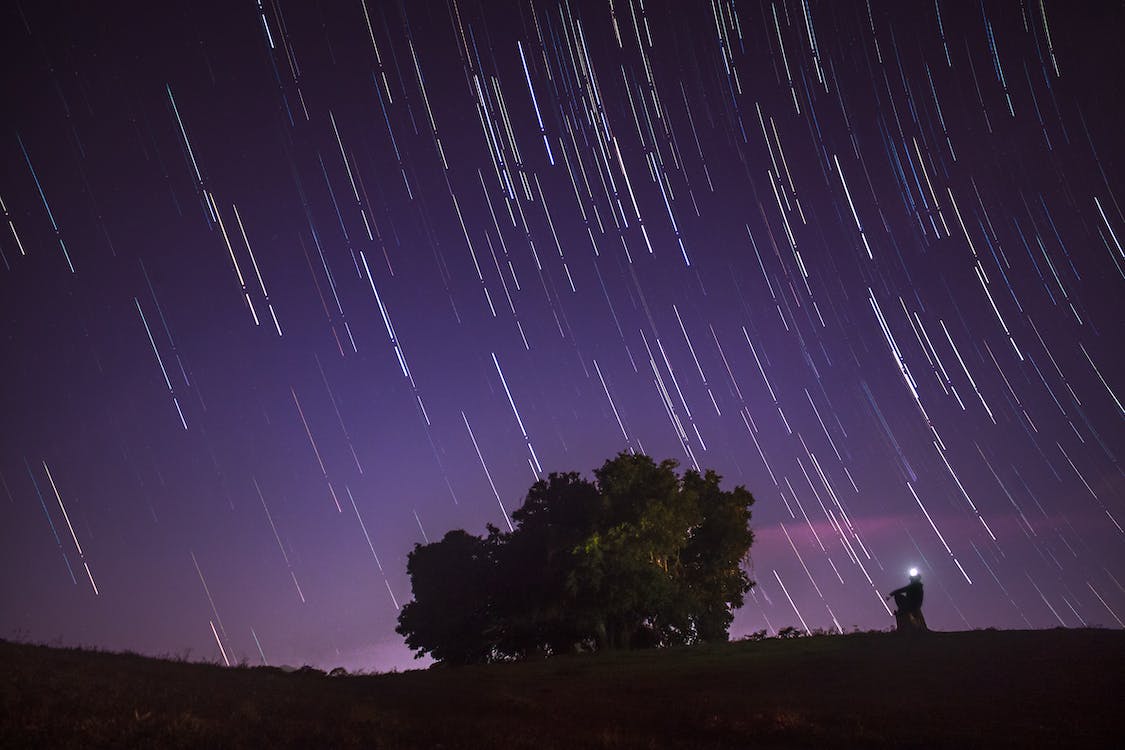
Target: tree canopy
639,557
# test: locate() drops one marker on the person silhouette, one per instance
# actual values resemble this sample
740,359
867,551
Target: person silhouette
908,604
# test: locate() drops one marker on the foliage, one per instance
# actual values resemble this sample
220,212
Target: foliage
451,616
638,557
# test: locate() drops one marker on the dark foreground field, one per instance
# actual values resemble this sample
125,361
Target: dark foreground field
983,688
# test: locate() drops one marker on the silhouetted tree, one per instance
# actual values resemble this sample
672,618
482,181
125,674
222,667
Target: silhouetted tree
638,557
537,602
451,617
716,546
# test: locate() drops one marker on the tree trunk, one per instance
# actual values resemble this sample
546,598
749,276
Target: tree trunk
601,636
625,638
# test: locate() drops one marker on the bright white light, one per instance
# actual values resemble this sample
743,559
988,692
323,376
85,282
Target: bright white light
913,572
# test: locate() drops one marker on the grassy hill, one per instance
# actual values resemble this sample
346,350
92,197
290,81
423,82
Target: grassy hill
970,689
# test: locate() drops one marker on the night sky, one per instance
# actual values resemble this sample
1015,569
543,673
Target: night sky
289,287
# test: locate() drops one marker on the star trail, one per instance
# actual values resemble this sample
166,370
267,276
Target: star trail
289,287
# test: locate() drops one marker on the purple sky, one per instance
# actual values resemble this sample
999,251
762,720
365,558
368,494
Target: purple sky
286,288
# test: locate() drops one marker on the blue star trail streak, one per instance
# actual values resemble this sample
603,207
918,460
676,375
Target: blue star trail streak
396,261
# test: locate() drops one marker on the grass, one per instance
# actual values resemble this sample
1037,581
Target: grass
969,689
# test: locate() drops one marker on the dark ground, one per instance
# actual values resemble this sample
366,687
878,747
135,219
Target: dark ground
1061,688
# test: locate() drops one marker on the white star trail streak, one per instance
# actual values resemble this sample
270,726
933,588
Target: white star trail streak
792,604
534,459
160,361
70,526
280,546
487,473
371,546
316,451
46,207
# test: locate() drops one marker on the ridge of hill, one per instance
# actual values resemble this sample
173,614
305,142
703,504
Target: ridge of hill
963,689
